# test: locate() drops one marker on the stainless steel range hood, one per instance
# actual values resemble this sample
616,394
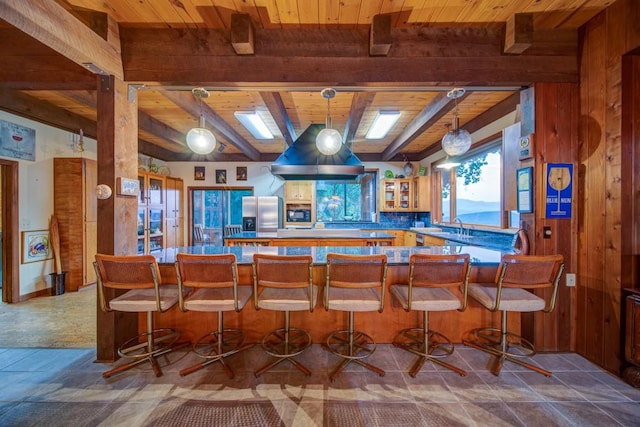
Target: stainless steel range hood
303,161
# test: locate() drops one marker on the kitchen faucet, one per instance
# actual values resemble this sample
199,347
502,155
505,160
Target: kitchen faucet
461,230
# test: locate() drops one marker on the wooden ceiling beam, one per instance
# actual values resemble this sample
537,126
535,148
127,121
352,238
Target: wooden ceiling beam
52,25
188,102
438,107
335,56
32,108
242,34
359,104
278,111
518,35
380,35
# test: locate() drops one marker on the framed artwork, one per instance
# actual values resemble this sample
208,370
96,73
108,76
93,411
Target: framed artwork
18,142
198,173
36,246
241,173
559,188
127,186
524,185
221,176
525,147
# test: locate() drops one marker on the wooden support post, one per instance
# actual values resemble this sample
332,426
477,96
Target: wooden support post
242,34
519,33
380,35
118,215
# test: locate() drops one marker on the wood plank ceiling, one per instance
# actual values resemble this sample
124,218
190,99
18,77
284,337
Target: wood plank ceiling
274,57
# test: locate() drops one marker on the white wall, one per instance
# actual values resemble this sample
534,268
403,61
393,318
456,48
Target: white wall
35,190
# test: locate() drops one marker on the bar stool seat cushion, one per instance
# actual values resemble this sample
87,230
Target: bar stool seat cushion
137,300
287,299
426,299
217,299
512,299
352,299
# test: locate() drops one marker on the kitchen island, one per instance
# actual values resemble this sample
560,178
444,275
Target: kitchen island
310,237
382,326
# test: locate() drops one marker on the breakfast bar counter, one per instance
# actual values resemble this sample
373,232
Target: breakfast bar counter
382,326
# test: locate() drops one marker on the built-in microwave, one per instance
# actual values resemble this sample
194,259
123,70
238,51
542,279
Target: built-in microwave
298,214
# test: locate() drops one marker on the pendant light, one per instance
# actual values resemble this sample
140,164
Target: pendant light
329,140
200,139
456,141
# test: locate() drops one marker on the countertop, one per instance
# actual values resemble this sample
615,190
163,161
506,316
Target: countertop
396,255
312,233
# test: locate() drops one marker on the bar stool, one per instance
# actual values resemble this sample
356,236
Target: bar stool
284,283
214,279
428,289
139,276
354,283
516,275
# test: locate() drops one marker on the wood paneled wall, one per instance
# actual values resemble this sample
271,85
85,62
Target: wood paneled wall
556,141
603,165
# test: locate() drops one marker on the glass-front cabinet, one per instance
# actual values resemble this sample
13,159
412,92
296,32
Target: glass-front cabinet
396,195
151,212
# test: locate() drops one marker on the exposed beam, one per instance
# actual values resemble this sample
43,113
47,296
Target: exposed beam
28,64
518,35
32,108
146,122
242,34
491,115
380,35
438,107
359,104
52,25
188,102
424,56
278,111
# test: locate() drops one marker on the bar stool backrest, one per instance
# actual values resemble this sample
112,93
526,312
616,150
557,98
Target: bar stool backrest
356,271
282,271
126,272
207,271
438,270
530,272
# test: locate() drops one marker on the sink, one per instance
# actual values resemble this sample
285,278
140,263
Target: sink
425,229
449,235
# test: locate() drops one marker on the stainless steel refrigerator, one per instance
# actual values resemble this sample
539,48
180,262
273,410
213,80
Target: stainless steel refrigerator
261,213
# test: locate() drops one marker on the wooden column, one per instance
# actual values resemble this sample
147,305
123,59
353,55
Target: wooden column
117,216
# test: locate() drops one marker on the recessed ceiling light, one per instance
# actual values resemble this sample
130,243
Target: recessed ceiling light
382,124
252,121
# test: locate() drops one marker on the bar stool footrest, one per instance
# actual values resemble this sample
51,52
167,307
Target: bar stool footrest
278,344
491,339
338,343
209,346
162,341
412,340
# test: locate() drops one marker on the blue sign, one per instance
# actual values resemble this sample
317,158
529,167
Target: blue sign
17,141
558,200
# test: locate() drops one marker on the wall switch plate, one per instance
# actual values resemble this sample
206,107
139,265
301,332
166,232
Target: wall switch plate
571,279
546,232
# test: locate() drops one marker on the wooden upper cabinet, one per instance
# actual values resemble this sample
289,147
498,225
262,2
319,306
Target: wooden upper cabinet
298,191
151,212
421,194
174,228
396,195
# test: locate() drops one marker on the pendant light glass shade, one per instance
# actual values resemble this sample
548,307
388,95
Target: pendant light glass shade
328,140
200,140
456,141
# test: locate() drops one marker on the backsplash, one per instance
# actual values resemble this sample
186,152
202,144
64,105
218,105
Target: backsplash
386,220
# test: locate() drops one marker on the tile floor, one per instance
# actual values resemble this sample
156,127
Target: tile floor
45,386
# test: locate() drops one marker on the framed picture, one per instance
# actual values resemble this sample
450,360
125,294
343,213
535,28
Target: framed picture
221,176
241,173
198,173
36,246
524,185
525,148
127,186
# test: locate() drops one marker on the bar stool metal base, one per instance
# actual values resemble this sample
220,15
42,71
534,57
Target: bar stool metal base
156,343
284,344
427,346
215,346
353,346
503,345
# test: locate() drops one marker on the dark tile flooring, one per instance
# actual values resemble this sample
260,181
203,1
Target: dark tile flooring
64,387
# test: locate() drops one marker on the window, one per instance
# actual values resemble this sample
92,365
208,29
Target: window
472,191
346,200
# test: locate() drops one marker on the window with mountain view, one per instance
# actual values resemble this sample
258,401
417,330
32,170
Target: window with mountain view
472,191
346,200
